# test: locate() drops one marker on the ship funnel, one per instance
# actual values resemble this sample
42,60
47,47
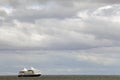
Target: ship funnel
32,68
24,69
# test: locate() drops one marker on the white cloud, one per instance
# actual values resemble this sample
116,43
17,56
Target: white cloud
97,58
61,62
107,56
88,31
46,35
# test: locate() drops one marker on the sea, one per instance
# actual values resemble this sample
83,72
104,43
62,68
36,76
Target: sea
63,77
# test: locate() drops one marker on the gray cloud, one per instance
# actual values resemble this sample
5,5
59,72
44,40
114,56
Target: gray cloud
107,2
80,32
60,36
44,9
67,3
62,62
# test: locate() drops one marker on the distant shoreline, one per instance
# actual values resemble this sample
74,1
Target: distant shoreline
66,75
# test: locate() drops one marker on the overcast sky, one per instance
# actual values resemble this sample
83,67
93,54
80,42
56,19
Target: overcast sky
60,36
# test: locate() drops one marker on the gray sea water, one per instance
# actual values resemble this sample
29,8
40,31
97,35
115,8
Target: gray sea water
64,77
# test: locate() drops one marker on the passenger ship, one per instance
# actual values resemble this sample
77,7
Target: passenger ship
29,73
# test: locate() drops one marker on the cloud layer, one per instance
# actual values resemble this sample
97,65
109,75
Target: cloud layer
62,62
60,36
79,32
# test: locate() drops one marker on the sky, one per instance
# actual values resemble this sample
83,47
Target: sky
60,37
